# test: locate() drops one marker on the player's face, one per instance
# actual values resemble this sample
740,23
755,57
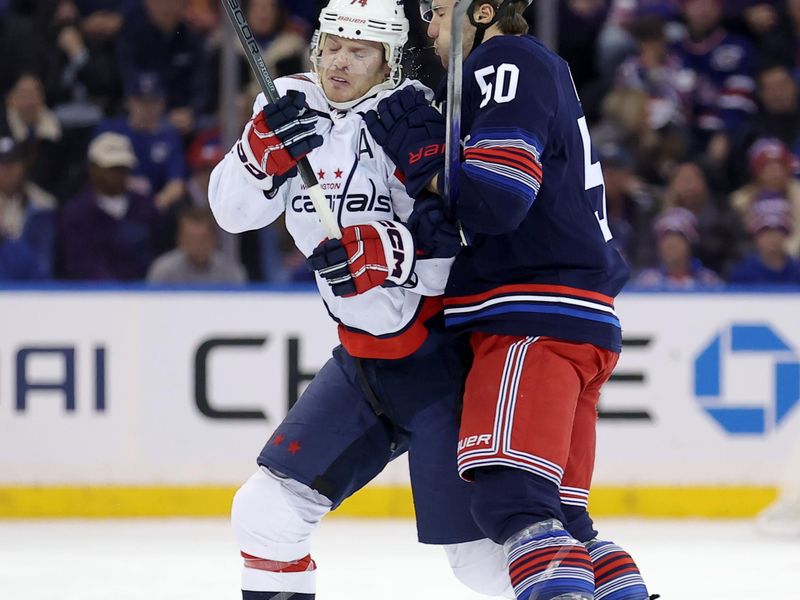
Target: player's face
439,29
348,69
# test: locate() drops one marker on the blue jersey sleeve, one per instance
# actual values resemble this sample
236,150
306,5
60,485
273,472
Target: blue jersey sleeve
510,99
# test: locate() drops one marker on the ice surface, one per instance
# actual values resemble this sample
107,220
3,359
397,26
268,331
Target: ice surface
361,560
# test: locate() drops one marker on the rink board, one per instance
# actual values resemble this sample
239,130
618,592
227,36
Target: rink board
131,402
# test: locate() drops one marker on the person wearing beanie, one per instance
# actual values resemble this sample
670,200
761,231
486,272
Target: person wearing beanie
675,231
771,165
770,223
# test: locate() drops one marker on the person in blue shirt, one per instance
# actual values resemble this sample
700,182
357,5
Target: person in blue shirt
27,220
770,223
723,65
156,38
161,166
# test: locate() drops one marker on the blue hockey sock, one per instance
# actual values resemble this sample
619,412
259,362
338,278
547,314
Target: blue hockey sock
547,563
616,575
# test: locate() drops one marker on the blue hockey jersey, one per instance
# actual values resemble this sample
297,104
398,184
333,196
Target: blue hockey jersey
532,201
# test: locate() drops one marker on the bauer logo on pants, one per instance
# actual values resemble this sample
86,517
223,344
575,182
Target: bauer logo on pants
737,411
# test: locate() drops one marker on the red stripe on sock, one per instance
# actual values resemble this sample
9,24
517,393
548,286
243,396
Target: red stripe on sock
540,560
277,566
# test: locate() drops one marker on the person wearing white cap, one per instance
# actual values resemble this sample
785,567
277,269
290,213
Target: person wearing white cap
107,231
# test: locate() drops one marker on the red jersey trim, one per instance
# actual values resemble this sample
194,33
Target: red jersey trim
396,346
529,288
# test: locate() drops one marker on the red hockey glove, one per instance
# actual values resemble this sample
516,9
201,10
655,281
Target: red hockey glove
277,138
378,253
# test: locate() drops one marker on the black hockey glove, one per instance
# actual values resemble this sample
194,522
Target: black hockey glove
433,233
412,133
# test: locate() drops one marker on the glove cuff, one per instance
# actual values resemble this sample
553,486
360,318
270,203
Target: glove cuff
253,171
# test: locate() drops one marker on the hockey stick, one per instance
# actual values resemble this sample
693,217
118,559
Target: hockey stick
237,18
455,76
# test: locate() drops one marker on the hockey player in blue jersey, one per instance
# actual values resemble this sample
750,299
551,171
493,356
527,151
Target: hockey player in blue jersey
534,290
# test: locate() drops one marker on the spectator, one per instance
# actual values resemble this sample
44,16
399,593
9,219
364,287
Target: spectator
771,166
658,87
308,10
782,42
723,66
17,47
157,39
108,233
80,39
616,43
676,232
203,16
770,224
203,155
759,17
27,224
580,22
161,168
720,232
778,115
37,130
629,204
282,41
196,259
280,261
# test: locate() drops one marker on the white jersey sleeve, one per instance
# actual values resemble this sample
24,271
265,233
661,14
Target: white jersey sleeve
237,204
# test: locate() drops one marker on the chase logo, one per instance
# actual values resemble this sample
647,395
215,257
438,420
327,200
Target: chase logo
744,344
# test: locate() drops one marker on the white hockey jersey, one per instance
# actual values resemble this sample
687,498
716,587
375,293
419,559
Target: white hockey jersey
361,184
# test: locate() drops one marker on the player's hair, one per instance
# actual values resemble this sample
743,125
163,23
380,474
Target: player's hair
509,15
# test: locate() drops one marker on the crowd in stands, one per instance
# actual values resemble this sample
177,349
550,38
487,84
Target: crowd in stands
109,130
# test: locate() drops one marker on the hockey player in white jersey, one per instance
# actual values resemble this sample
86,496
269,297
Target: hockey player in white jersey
394,383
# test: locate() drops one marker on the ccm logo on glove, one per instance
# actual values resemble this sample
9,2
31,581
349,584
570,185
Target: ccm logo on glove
396,238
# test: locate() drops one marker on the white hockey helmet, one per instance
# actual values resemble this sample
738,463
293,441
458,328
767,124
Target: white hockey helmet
382,21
